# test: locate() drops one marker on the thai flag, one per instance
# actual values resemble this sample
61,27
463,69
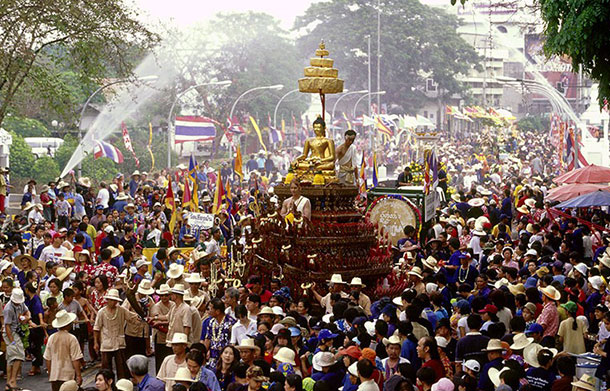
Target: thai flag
193,128
103,149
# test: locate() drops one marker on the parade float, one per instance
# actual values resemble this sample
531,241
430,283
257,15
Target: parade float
338,238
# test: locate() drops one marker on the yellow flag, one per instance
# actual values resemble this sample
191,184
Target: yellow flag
149,147
258,131
238,164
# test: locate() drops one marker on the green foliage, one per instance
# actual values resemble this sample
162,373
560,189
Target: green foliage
22,158
45,169
43,39
415,40
102,169
63,153
25,127
251,50
540,123
579,30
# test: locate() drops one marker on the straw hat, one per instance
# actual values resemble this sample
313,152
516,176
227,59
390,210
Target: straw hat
177,289
248,344
194,278
68,256
285,355
336,279
182,375
172,250
114,252
179,338
431,263
62,272
124,385
357,281
393,340
121,196
494,375
84,182
530,202
501,282
530,354
476,202
523,209
70,385
456,197
551,292
113,294
163,290
175,270
62,319
18,261
145,287
493,345
605,260
520,341
586,382
28,205
415,271
516,289
266,311
130,206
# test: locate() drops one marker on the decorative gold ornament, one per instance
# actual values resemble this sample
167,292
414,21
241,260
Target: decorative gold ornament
321,77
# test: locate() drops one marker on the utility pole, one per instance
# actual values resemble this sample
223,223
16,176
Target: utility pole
378,56
369,82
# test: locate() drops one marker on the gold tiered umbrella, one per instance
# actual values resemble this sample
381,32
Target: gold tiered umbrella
321,78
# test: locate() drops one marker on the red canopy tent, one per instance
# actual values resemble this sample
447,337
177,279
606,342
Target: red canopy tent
588,174
569,191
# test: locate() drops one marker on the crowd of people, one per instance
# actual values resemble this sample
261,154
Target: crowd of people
500,292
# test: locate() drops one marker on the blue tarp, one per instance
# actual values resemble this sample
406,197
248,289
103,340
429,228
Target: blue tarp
596,198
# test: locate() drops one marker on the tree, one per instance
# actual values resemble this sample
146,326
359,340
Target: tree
251,50
540,123
40,37
45,169
25,127
579,30
417,42
22,158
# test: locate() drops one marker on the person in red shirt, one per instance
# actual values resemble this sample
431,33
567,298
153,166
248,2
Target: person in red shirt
255,286
427,351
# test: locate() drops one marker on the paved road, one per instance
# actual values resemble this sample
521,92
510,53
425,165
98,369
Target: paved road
41,382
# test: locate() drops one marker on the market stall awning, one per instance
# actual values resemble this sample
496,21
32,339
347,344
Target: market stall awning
596,198
589,174
569,191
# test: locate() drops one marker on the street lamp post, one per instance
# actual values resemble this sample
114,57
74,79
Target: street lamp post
332,118
278,105
364,96
171,112
82,112
274,87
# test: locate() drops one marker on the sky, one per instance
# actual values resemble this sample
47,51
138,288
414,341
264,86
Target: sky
187,12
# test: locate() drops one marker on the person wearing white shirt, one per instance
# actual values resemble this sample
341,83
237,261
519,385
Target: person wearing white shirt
244,326
365,372
35,216
103,196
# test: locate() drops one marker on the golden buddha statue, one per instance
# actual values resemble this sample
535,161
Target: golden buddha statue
318,155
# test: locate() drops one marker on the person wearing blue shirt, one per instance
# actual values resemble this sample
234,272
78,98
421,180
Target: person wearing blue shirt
134,183
138,367
494,355
82,229
79,205
195,362
120,202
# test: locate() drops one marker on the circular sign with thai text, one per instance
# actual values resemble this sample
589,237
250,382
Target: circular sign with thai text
393,213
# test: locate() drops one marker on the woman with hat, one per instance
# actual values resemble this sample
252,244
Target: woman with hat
572,330
63,352
549,317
